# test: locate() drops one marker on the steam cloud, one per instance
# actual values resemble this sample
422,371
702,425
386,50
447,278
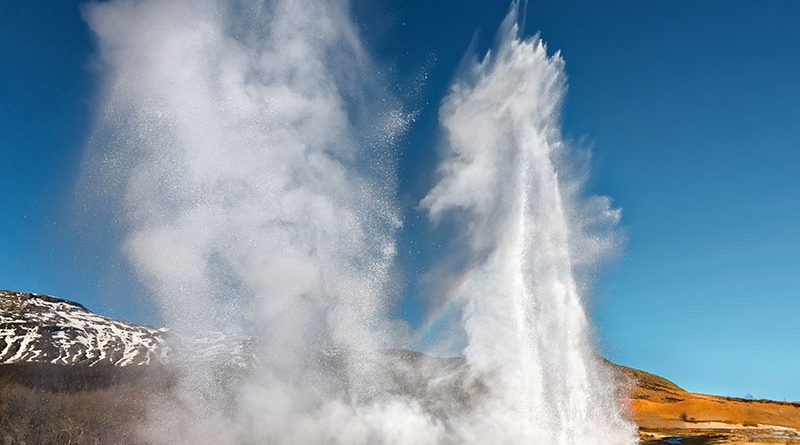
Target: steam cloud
252,144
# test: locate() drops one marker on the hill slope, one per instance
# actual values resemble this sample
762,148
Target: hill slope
69,375
38,328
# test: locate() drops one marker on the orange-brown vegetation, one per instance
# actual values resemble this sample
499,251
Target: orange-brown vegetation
663,409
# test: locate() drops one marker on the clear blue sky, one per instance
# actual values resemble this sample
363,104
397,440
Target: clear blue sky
692,109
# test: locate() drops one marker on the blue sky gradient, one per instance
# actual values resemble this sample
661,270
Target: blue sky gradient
691,109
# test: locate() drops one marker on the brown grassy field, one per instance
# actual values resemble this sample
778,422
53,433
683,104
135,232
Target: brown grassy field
665,411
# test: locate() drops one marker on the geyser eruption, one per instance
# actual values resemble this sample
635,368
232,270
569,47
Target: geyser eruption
250,183
251,144
526,237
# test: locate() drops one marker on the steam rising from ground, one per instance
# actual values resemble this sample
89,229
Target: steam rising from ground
252,146
254,207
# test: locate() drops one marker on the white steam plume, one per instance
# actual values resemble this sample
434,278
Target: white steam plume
254,150
251,142
527,239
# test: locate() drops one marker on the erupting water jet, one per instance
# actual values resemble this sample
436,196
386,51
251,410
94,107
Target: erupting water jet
258,190
524,236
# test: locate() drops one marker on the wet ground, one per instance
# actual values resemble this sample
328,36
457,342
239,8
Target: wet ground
719,439
685,440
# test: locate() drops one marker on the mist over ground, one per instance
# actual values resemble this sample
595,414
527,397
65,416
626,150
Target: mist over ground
251,146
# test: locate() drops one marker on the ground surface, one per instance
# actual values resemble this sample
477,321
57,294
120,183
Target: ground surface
68,375
667,414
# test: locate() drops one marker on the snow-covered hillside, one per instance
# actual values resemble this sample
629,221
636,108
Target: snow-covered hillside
42,329
37,328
